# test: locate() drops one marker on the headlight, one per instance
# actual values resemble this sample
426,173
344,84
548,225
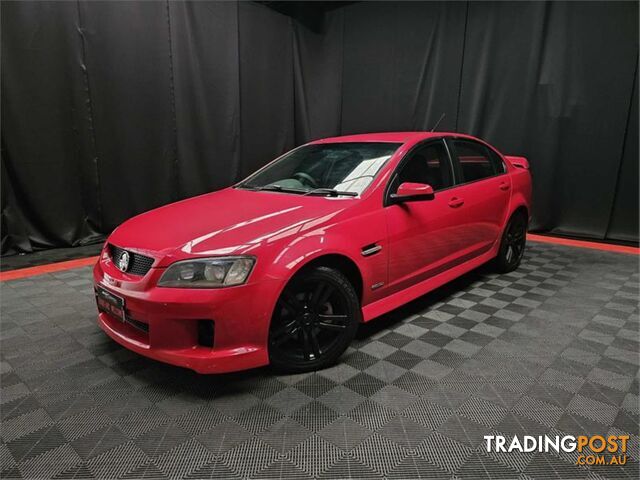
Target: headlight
208,272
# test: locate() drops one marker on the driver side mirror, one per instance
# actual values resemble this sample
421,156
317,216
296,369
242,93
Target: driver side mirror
412,192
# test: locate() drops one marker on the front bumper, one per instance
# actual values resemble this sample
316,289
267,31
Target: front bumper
170,316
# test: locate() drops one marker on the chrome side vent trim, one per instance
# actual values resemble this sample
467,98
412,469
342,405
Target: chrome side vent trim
370,249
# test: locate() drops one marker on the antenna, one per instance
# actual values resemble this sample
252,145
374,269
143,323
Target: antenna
438,122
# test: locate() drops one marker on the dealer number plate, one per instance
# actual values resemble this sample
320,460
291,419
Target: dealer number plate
110,303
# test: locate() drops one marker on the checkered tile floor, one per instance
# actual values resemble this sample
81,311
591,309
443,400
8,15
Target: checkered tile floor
549,349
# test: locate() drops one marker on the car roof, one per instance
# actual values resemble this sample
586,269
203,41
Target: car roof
395,137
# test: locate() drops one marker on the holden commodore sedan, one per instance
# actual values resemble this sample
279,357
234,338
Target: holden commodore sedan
282,267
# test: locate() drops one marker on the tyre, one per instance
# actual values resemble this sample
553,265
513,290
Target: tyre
315,320
512,244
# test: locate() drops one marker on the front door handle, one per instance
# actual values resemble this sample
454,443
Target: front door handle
456,202
504,186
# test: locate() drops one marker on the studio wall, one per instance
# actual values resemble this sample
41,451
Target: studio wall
111,109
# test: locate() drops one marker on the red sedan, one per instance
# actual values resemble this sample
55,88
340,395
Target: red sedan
281,268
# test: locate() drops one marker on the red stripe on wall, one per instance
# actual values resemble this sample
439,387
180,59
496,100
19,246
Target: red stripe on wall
50,268
568,242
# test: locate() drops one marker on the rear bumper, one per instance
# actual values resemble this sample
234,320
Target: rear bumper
241,317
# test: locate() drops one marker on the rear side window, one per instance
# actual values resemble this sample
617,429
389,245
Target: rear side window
498,163
475,161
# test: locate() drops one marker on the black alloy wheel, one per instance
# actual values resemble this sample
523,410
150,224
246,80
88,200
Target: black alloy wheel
315,319
513,244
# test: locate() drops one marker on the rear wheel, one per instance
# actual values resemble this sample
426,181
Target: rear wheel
513,243
315,319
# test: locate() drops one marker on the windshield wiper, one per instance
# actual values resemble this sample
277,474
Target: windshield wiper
273,188
330,192
316,191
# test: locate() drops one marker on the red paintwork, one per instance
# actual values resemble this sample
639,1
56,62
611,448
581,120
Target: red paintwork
411,189
424,245
520,162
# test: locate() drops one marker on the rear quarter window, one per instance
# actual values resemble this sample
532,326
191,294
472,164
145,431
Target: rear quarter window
500,166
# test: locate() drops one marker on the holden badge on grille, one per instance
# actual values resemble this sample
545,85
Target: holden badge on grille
123,261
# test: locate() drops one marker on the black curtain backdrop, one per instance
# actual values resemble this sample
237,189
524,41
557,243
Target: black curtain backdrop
113,108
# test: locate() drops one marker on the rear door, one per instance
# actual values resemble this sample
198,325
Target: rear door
483,193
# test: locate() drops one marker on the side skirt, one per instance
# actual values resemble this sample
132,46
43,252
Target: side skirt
384,305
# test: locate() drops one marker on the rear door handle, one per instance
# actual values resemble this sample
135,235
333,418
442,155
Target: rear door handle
456,202
504,186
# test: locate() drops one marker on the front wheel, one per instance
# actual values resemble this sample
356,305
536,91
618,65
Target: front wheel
314,321
512,245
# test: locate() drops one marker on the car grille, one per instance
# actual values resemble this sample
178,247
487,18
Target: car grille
138,264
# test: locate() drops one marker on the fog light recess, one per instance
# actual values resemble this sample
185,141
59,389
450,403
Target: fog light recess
205,333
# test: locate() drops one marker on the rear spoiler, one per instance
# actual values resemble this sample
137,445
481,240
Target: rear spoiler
518,162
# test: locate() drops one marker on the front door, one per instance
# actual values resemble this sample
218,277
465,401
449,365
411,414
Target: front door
424,236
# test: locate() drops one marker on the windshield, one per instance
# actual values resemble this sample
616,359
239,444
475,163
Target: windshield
324,168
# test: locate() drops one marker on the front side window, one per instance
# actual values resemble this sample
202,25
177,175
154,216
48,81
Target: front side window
428,164
474,161
325,167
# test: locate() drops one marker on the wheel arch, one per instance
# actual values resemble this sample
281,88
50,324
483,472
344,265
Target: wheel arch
339,262
521,209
